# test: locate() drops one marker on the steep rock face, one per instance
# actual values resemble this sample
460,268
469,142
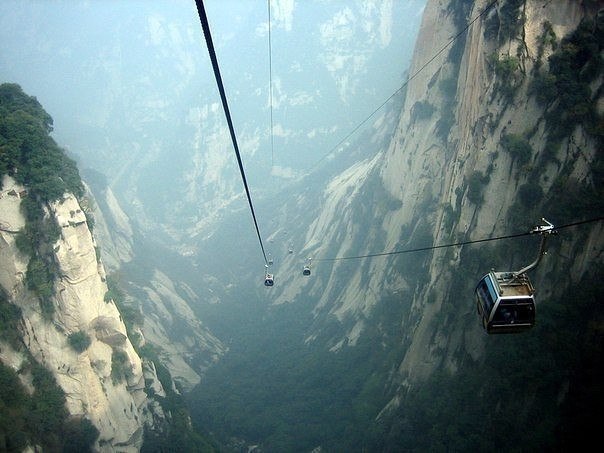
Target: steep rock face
113,226
184,345
115,406
442,165
447,176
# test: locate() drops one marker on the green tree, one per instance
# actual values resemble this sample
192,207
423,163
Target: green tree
79,341
80,435
518,147
31,156
120,366
476,183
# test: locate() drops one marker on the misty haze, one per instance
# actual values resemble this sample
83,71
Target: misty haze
386,236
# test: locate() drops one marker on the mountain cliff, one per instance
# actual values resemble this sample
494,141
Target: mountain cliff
501,126
478,152
157,296
81,366
116,404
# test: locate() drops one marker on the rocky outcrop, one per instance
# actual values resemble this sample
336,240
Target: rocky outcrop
113,229
184,345
116,405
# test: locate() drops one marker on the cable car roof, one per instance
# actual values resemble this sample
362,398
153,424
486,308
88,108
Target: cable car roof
509,285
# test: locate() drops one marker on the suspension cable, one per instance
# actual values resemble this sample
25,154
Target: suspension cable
455,244
270,85
208,37
409,79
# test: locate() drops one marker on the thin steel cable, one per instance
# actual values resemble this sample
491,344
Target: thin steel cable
270,85
456,244
409,79
208,37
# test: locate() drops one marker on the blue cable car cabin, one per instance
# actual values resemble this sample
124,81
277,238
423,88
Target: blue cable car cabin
505,302
306,270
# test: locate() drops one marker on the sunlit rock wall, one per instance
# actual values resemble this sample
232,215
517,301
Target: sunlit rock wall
117,408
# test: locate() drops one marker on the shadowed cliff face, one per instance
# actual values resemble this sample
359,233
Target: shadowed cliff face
486,158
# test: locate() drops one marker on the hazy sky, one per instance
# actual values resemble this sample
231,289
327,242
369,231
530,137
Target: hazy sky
132,93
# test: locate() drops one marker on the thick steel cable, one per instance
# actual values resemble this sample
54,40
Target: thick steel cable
208,36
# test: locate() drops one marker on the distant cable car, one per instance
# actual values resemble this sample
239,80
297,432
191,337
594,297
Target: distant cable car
306,270
505,300
270,260
268,278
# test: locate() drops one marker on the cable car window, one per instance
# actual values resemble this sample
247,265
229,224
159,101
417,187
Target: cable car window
515,311
485,296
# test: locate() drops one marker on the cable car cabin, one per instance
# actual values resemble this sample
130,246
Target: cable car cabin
505,302
306,270
268,280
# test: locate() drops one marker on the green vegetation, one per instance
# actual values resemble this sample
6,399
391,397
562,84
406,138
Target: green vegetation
40,279
79,341
517,147
120,366
32,158
422,110
565,89
508,75
505,21
41,418
547,38
476,184
294,397
10,315
79,435
530,194
446,121
29,154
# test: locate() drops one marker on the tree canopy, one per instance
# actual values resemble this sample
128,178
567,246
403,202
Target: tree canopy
27,151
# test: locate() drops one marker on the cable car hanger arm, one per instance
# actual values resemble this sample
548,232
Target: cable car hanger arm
544,231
